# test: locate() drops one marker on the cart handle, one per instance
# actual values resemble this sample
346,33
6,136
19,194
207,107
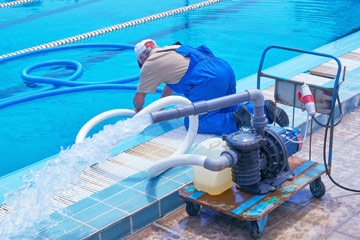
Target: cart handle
261,74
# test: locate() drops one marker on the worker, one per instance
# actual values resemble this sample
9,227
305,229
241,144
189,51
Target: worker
198,75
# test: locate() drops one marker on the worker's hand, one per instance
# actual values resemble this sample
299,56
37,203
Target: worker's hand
138,101
137,110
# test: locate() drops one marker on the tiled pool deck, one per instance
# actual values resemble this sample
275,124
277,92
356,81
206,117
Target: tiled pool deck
122,207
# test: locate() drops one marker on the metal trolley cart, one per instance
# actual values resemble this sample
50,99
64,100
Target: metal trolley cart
255,208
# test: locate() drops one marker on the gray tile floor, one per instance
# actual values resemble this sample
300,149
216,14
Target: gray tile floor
335,216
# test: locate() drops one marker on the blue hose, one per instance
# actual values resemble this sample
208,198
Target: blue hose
70,81
43,94
79,69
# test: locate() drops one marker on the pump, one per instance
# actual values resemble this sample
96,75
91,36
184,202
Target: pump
262,161
258,157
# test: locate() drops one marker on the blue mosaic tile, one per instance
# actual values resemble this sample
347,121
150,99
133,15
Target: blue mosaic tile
137,203
345,95
352,81
59,229
351,104
298,121
122,197
173,172
164,189
145,216
352,73
53,219
3,191
108,192
141,138
77,233
134,179
107,219
329,84
95,236
13,182
351,77
37,237
118,230
186,177
298,112
149,184
353,88
41,164
92,212
169,203
15,179
79,206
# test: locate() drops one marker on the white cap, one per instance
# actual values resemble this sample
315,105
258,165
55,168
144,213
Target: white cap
141,46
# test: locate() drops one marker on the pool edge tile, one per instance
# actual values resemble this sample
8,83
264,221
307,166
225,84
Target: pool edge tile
145,216
170,203
117,230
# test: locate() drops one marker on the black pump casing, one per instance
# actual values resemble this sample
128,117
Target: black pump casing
262,164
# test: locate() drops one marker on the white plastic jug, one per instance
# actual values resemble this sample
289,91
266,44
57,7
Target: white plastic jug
211,182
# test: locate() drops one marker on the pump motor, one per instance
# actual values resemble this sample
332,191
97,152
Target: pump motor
262,164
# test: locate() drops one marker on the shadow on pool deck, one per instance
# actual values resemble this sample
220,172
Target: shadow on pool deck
335,216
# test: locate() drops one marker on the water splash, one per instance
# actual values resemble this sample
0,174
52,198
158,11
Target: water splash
30,204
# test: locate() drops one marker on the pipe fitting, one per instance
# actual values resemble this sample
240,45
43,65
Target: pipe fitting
232,157
227,159
216,164
259,119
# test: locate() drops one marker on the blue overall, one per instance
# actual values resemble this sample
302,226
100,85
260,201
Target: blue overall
208,77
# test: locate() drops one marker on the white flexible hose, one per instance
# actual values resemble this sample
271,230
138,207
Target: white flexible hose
155,106
100,118
173,161
193,120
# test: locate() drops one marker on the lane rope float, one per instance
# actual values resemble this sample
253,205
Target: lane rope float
15,3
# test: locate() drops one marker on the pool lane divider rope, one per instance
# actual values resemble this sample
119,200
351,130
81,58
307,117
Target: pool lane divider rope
112,28
15,3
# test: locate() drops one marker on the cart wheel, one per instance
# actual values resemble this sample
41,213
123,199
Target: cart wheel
317,188
255,230
192,209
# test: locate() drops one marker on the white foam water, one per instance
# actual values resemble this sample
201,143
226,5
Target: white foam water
32,203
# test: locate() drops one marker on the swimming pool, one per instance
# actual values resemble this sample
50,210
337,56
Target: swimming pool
237,31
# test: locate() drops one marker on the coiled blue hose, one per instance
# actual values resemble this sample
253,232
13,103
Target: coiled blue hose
70,83
36,79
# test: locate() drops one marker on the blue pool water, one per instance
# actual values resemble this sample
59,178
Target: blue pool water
237,31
